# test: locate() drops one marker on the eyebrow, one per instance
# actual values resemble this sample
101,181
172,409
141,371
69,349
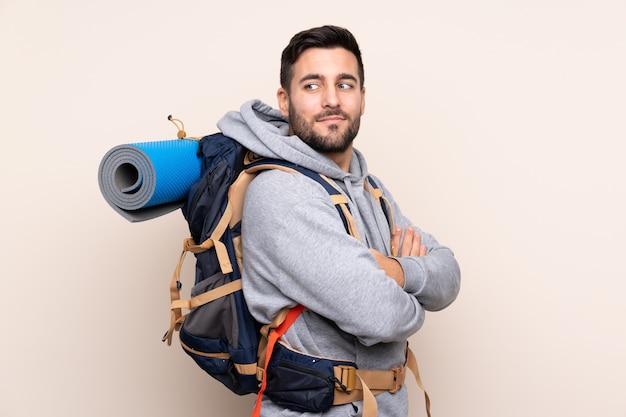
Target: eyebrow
342,76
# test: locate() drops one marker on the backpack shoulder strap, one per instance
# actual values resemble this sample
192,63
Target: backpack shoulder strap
253,167
384,203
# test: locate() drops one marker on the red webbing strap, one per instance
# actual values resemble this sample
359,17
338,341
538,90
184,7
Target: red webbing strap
272,339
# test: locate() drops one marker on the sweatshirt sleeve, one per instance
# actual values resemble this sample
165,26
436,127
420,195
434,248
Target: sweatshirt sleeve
296,250
434,279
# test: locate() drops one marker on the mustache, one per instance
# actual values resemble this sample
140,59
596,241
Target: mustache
332,112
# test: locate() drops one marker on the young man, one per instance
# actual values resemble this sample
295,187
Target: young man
365,297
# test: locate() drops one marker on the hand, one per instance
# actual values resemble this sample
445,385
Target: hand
411,246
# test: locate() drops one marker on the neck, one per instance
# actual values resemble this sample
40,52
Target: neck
342,159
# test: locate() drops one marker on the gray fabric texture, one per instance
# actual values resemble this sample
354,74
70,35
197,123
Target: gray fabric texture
296,251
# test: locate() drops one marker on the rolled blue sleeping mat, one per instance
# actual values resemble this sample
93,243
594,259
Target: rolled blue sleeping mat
142,181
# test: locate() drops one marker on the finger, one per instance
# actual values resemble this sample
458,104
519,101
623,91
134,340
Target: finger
407,242
395,241
417,243
422,250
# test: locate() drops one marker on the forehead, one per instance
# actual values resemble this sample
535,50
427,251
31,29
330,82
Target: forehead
325,62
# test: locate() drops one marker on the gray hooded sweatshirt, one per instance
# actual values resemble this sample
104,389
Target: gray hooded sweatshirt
296,251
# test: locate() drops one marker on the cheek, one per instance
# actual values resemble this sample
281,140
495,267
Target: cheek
354,105
305,108
356,109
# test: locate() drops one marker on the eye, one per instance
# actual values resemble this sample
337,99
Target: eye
344,86
311,86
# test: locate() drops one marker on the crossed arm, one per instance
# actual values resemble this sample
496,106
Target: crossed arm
411,245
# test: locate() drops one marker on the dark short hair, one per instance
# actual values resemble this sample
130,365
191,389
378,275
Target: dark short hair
319,37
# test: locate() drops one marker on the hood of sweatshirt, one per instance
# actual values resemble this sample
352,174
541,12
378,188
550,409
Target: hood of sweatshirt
265,131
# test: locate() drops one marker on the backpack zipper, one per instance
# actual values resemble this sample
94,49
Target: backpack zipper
206,183
306,369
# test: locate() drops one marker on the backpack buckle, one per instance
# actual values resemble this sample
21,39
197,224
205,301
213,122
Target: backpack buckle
346,377
399,374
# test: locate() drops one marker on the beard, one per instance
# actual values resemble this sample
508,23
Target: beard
334,141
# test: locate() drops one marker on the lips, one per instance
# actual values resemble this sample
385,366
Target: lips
331,117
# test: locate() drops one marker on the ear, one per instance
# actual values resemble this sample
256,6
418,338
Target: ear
283,101
362,101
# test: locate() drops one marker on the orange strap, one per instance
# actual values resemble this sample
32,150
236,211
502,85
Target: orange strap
273,338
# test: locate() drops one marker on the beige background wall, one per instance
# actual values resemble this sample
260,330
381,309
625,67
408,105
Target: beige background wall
499,125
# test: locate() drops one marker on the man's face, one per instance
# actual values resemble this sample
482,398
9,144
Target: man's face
325,101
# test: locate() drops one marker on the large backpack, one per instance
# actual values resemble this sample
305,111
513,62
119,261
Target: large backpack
219,332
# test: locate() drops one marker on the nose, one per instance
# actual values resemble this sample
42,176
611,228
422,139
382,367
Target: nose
330,98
